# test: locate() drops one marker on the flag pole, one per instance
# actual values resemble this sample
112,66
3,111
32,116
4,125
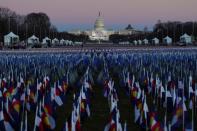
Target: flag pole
35,118
192,116
146,124
183,107
165,122
166,111
145,111
195,100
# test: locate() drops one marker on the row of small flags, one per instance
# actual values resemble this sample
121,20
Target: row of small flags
81,106
40,97
171,96
114,117
111,95
19,97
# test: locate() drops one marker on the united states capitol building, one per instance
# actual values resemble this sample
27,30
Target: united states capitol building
100,33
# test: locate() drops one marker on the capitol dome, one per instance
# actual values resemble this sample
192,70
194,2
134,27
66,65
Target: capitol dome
99,24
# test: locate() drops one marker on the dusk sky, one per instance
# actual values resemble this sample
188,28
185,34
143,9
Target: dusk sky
81,14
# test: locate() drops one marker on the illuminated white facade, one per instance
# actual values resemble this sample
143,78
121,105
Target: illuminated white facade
99,32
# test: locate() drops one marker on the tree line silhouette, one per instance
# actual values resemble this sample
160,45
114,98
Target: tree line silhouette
173,29
39,24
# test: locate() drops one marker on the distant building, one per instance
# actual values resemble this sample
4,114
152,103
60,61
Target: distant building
139,42
135,42
46,40
76,32
62,41
155,41
55,41
167,40
100,33
10,39
33,40
145,41
186,39
128,31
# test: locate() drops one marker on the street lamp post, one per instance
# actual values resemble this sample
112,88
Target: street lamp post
9,27
9,21
174,33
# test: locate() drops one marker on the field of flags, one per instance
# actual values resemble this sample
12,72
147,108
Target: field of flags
104,90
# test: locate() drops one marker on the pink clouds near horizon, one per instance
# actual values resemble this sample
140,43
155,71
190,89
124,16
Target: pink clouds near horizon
115,12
